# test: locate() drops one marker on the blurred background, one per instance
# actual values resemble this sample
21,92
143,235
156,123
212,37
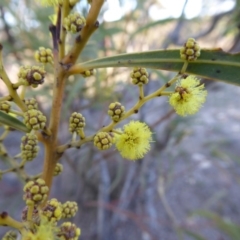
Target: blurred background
187,186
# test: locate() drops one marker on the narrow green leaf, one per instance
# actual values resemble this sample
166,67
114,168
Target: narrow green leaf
231,229
212,64
151,25
12,122
194,235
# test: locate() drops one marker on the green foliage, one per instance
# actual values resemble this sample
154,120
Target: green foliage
212,64
229,228
194,235
13,122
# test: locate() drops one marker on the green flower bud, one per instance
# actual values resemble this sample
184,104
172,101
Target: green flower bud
31,103
44,55
35,192
88,73
116,111
31,75
29,148
76,122
53,210
103,140
139,76
69,231
190,51
74,22
34,119
5,106
58,169
69,209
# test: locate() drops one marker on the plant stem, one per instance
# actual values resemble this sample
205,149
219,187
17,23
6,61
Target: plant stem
6,220
141,92
30,212
63,33
50,142
51,156
12,91
87,31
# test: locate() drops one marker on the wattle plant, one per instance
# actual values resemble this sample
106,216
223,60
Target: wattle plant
133,141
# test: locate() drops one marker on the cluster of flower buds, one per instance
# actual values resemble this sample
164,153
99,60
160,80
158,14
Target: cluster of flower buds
74,22
103,140
139,76
35,192
52,210
31,75
58,169
29,147
76,122
190,51
69,229
44,55
69,209
5,106
31,103
34,119
116,111
44,219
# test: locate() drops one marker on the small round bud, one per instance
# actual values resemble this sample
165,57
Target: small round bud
88,73
31,75
69,231
52,210
35,192
139,76
44,55
10,235
31,103
58,169
34,119
69,209
35,215
103,140
74,22
190,51
29,148
76,122
5,106
116,111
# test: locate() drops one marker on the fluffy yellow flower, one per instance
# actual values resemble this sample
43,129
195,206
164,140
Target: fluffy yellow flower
45,230
134,142
188,97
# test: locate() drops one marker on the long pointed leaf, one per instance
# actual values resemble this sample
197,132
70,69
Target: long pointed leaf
230,228
12,122
194,235
212,64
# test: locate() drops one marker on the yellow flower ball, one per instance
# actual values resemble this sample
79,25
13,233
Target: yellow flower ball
134,142
188,97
